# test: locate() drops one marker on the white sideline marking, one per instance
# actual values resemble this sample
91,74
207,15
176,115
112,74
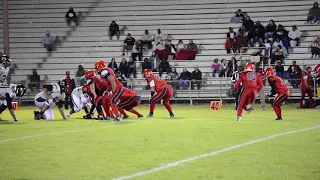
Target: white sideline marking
177,163
63,132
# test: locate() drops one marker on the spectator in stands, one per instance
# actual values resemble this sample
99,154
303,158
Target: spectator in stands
172,50
228,45
113,65
282,33
256,38
184,79
121,78
146,65
71,16
248,24
266,51
231,34
147,39
192,50
159,37
180,46
314,14
70,85
243,31
173,76
315,48
114,30
80,72
161,51
275,46
215,67
196,77
128,43
123,68
238,17
164,66
223,68
47,41
260,27
279,69
34,81
278,55
294,36
132,68
137,50
293,74
241,43
270,30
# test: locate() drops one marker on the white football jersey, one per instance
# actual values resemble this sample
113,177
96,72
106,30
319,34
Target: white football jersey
4,71
77,92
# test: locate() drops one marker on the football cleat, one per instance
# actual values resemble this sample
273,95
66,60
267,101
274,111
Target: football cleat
125,117
107,118
249,110
100,118
68,115
140,116
87,116
117,119
171,115
238,118
150,115
37,115
279,119
15,120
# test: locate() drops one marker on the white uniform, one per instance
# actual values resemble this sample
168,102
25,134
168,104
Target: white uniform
79,99
55,96
4,87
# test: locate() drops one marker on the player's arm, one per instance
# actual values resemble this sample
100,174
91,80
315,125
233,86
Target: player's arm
93,90
237,84
46,104
260,83
112,82
152,87
272,83
305,81
60,106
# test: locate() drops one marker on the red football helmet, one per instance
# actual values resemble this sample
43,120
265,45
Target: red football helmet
269,71
147,73
317,68
99,63
89,74
249,67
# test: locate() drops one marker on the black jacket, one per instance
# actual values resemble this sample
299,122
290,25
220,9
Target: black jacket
72,12
146,65
185,75
130,41
113,27
196,75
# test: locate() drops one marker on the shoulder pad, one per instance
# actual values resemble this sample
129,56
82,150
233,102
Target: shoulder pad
104,73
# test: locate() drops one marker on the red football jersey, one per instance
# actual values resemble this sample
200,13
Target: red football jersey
109,72
249,80
127,93
158,84
305,74
277,85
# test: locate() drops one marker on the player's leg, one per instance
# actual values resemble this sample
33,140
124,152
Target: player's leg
2,108
155,99
48,114
77,105
303,93
277,103
310,94
9,105
243,99
166,101
130,104
106,106
262,98
114,100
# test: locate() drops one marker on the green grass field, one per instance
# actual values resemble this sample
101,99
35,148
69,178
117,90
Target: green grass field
90,149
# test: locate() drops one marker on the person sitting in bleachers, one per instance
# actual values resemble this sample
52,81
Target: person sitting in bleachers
277,55
146,39
315,48
164,66
137,50
113,65
79,80
128,43
192,49
114,30
275,46
260,27
228,45
223,68
215,67
123,68
282,33
146,65
172,50
187,54
47,41
294,36
314,14
162,51
184,79
34,81
279,69
159,37
80,72
248,24
270,30
180,46
132,68
293,74
266,51
256,38
172,77
196,78
238,17
71,16
241,42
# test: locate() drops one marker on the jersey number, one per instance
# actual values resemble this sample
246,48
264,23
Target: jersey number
251,76
55,99
3,78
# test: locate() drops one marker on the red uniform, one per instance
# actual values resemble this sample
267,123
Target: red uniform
163,92
251,84
306,89
278,87
128,100
114,97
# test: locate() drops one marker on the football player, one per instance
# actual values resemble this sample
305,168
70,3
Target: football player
128,100
277,87
251,85
114,86
80,100
160,90
4,69
17,91
306,87
52,94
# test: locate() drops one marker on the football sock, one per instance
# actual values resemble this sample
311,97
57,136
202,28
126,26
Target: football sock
152,107
301,103
92,109
86,110
277,110
123,112
135,112
168,107
115,110
311,102
72,111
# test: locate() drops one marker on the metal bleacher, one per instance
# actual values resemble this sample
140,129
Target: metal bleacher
204,21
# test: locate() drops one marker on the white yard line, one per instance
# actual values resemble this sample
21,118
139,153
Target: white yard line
177,163
68,131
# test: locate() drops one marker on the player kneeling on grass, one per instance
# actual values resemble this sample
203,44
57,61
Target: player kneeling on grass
160,90
278,87
52,94
128,100
80,99
6,102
